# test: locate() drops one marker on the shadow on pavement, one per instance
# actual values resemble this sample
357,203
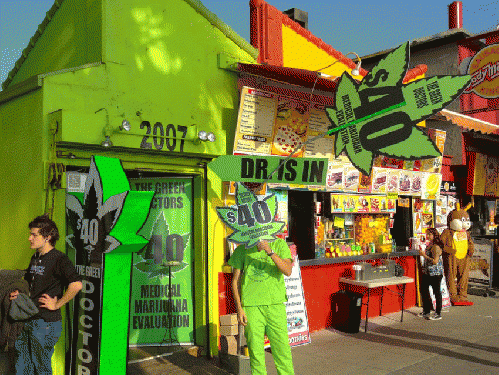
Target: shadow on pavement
381,335
179,362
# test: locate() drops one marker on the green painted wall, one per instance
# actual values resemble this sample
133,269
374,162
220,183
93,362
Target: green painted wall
23,145
149,61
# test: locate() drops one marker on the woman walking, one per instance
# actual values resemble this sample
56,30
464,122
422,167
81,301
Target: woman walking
432,272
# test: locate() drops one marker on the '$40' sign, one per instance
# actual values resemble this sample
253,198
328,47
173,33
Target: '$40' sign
378,116
251,219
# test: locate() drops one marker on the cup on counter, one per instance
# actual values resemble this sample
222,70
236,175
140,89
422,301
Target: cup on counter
357,269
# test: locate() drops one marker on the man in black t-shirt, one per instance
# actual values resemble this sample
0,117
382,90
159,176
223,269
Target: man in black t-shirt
48,274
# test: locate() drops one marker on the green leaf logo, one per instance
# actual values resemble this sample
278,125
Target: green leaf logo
108,216
379,115
165,251
252,219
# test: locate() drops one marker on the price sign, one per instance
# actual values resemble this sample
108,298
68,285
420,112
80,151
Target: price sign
379,115
251,219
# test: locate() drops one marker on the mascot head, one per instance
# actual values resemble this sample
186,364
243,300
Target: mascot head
458,219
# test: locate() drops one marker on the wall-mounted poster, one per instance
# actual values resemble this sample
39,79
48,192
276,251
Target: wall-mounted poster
481,262
162,275
335,177
295,306
364,184
351,179
431,185
337,203
290,128
393,176
379,180
405,182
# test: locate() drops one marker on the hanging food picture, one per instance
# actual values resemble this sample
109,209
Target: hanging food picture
290,127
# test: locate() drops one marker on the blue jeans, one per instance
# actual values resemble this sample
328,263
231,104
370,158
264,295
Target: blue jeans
35,346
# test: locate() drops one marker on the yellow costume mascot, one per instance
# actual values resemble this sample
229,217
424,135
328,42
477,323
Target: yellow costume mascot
457,252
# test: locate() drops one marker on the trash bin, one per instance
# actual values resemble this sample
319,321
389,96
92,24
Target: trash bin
346,309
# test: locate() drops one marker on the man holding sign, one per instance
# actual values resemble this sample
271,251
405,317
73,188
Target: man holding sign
259,296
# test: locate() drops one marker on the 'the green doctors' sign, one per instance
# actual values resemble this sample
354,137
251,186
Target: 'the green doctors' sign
250,168
162,287
103,224
378,116
252,219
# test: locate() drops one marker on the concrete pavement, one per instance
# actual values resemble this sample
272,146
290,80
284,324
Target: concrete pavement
465,341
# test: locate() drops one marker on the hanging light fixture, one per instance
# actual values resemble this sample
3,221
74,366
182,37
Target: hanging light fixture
107,142
206,136
355,71
125,125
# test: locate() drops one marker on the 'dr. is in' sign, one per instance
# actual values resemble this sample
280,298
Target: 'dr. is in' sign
294,170
252,168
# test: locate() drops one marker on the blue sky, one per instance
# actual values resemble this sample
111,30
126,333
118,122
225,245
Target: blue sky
360,26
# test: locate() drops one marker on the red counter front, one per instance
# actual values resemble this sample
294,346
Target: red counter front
320,282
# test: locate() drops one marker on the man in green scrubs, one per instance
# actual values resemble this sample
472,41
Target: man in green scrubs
259,295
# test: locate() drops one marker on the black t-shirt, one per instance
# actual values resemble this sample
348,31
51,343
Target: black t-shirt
49,274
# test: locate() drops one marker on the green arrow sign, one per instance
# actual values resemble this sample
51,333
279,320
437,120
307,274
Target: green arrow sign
250,168
379,115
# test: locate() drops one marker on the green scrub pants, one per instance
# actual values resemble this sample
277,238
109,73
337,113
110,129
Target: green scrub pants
272,321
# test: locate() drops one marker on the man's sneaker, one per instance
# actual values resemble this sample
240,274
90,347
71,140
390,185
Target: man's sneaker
436,317
423,315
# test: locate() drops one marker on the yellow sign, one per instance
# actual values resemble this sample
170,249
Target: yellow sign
484,71
339,222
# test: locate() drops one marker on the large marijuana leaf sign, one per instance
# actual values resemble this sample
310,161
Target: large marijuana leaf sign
251,219
108,215
378,116
164,254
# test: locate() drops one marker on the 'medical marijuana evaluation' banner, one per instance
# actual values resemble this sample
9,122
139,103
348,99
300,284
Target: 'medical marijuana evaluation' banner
161,310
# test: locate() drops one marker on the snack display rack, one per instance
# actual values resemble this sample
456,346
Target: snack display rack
361,229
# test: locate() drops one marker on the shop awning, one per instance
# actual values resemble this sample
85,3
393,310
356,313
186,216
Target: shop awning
299,77
470,123
308,78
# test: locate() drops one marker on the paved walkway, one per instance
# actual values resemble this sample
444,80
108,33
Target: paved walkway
465,341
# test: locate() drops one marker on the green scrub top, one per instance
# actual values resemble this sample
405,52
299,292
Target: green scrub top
262,283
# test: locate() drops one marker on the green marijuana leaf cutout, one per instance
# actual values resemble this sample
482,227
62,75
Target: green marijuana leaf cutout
108,216
251,219
379,115
164,250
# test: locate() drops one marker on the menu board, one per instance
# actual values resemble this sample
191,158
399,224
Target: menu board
423,218
273,124
255,123
296,310
444,204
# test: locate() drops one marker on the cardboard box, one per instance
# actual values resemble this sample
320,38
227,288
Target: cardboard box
228,344
229,330
235,364
228,320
